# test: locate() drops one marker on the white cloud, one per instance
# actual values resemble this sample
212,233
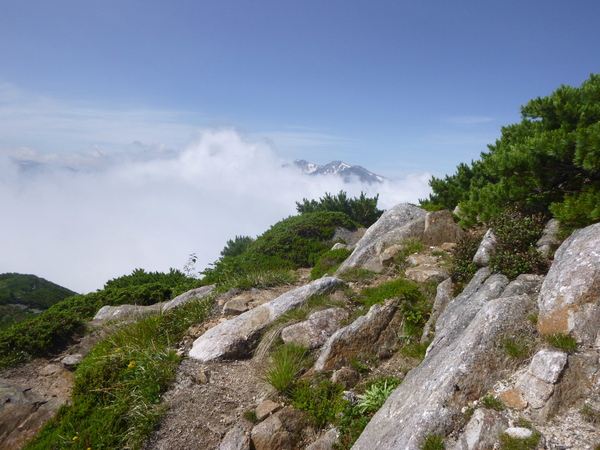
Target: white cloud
80,229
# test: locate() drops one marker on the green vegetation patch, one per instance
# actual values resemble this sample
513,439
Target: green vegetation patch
548,162
362,210
400,288
328,262
562,342
48,332
287,361
516,235
298,241
320,399
30,290
118,387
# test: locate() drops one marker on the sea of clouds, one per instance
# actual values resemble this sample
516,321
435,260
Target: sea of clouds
81,219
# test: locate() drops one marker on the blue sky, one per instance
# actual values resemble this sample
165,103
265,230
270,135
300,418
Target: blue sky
137,94
393,86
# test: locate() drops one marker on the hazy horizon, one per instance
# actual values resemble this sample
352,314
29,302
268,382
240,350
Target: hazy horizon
151,210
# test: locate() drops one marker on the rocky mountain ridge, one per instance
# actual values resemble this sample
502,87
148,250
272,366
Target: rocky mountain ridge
468,391
339,168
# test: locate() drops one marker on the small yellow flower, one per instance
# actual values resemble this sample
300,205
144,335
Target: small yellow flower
117,350
75,438
132,364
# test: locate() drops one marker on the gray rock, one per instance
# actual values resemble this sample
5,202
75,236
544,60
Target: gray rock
440,228
346,376
315,331
235,337
235,306
432,395
482,256
443,296
325,442
547,365
459,313
549,242
188,296
235,439
349,237
424,274
569,297
394,225
266,408
419,259
72,360
357,338
519,432
22,414
524,284
481,432
123,312
536,391
280,431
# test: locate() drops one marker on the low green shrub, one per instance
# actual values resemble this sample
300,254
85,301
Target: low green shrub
415,349
50,331
463,268
362,210
515,253
328,262
350,427
295,242
320,399
354,418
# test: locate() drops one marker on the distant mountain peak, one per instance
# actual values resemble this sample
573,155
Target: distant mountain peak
341,169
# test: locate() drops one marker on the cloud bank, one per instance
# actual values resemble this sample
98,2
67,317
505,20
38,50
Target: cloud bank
152,207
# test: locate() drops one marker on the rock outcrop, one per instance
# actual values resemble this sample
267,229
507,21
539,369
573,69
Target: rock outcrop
395,225
569,298
459,367
123,312
361,336
234,338
22,415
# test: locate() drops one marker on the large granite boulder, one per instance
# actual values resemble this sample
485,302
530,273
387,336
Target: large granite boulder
460,366
569,297
395,225
235,338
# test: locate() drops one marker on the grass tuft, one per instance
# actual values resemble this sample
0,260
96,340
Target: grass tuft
562,342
